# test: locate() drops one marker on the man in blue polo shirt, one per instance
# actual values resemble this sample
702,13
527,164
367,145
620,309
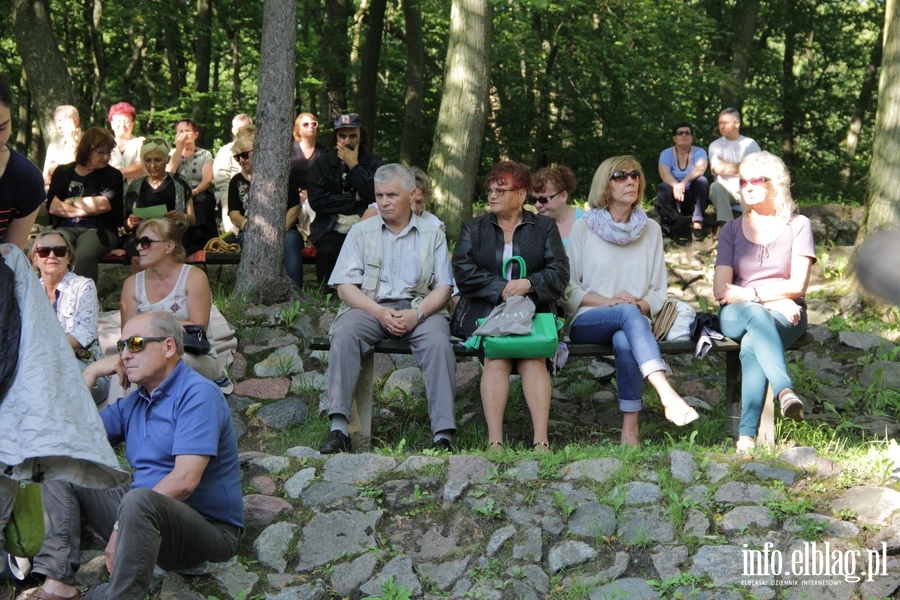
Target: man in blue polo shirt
184,506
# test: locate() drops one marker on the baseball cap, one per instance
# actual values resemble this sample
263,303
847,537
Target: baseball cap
347,121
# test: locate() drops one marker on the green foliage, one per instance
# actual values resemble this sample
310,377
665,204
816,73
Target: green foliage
289,313
391,591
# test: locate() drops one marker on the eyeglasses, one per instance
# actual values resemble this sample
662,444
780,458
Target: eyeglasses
683,132
623,175
58,251
146,242
310,125
100,152
754,181
496,191
241,156
546,199
137,343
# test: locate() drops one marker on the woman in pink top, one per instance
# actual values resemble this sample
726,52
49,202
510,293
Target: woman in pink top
762,271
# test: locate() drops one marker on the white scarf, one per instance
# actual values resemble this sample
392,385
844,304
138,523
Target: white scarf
601,222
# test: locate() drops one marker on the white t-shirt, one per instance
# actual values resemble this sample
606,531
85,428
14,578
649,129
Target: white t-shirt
731,151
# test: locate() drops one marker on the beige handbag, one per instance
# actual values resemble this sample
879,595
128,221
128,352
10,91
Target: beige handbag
664,320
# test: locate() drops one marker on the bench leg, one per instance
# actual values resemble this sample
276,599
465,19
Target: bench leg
733,392
361,412
766,435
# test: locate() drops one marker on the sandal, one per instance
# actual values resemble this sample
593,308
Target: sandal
791,406
42,594
541,447
682,416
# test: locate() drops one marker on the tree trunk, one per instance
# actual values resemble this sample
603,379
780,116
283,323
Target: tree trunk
203,55
261,276
48,79
415,62
368,76
883,203
732,92
459,132
93,14
337,46
788,83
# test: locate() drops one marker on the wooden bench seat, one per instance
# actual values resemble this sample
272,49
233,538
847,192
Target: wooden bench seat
361,414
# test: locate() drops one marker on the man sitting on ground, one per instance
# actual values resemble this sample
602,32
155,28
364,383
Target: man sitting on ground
184,506
393,275
725,156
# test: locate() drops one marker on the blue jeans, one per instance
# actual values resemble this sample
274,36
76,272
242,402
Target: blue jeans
764,335
636,350
293,262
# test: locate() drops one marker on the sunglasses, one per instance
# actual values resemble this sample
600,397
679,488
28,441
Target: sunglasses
146,242
156,141
58,251
623,175
545,200
683,133
243,155
754,181
137,343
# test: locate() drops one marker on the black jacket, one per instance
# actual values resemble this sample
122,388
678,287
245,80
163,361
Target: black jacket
332,189
478,258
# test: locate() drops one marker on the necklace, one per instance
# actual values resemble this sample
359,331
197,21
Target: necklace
687,160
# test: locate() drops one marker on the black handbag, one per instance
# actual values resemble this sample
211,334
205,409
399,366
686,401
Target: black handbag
195,340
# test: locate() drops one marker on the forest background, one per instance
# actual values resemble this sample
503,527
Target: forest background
571,82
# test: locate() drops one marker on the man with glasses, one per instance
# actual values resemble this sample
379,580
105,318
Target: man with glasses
394,279
224,168
341,186
184,506
725,156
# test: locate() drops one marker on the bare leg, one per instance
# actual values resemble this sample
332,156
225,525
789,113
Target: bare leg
63,590
630,429
536,385
677,410
495,395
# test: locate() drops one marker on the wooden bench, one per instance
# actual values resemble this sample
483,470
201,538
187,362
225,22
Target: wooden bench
361,413
202,257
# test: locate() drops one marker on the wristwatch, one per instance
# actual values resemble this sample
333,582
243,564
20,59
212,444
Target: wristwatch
421,315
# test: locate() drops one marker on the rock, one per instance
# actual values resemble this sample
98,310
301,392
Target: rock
92,572
740,518
881,372
308,591
601,369
264,485
889,536
272,544
763,471
666,560
569,554
283,414
234,578
238,368
284,361
876,426
311,382
860,340
825,467
873,505
303,327
465,467
819,333
260,511
632,588
294,486
347,577
715,471
636,493
266,389
331,535
533,575
444,574
598,469
735,492
240,428
645,526
408,380
522,591
529,548
400,568
356,469
592,521
327,492
698,494
833,527
304,453
696,524
454,489
498,538
524,470
852,303
802,457
721,563
417,463
238,404
176,587
684,468
272,464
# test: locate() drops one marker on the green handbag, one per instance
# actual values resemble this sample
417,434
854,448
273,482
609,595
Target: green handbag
24,532
542,342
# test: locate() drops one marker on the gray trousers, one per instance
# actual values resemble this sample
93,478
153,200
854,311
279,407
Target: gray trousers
153,530
355,334
721,199
8,491
89,248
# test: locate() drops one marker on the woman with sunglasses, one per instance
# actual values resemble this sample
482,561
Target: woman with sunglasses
762,271
157,188
85,200
684,188
551,189
195,165
484,243
166,283
239,208
304,152
74,299
617,283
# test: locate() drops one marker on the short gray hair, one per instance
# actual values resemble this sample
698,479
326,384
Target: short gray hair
731,111
391,171
164,324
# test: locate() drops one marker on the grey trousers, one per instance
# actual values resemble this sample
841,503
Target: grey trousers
355,335
153,530
89,248
8,490
721,199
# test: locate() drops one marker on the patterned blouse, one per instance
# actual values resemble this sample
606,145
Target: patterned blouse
77,308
